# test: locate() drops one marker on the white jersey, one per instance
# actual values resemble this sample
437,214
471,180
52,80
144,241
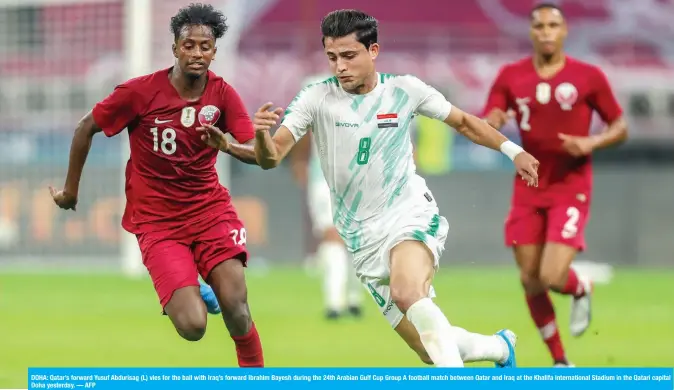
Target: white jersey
315,170
364,147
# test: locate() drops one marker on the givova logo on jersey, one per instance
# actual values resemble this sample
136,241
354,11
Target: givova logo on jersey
346,124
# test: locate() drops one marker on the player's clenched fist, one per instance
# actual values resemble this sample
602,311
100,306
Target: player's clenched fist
264,119
527,167
63,199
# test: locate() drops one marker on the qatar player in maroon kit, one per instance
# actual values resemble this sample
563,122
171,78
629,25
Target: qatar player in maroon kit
182,216
553,97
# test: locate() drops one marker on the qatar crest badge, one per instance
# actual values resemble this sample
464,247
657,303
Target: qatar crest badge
566,95
209,115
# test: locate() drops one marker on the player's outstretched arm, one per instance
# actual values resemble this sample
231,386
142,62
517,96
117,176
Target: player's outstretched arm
79,150
475,129
299,159
215,138
270,151
497,118
481,133
244,152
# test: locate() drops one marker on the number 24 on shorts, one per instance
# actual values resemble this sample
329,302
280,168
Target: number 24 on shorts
363,155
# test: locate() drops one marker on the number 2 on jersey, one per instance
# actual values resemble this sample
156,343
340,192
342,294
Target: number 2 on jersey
363,155
525,113
168,140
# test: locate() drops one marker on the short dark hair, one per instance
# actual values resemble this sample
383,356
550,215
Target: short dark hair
197,14
343,22
541,6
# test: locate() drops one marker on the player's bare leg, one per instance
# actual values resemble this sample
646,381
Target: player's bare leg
229,284
430,334
409,333
412,270
187,312
558,275
542,311
528,258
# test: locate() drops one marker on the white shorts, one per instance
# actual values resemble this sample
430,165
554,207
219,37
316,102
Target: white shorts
320,210
419,222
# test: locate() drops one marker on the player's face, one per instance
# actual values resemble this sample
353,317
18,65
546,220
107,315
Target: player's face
548,31
350,60
195,50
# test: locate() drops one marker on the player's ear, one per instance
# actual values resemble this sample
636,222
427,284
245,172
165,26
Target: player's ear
374,50
174,50
215,51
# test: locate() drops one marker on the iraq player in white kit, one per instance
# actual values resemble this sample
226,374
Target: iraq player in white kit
382,209
342,290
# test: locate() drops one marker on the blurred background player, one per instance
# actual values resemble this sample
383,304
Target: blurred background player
341,288
177,208
385,213
554,97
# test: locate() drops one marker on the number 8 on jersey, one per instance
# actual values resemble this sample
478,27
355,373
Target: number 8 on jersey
363,155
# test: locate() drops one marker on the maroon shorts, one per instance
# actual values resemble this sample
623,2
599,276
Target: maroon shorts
556,217
175,258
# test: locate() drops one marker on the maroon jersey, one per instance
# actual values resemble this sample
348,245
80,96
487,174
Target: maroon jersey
171,178
545,108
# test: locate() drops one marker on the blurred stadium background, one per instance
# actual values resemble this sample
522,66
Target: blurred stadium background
64,300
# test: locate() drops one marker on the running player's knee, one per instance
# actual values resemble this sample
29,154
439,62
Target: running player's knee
530,281
229,284
190,324
552,277
237,317
405,295
410,281
187,312
235,311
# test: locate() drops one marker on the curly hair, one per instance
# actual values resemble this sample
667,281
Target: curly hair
197,14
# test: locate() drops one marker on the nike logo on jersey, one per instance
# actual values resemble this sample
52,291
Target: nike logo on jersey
159,122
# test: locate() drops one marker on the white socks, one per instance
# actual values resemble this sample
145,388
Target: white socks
477,347
335,264
450,346
354,293
435,333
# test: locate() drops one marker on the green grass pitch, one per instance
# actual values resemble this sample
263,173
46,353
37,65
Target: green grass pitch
107,320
